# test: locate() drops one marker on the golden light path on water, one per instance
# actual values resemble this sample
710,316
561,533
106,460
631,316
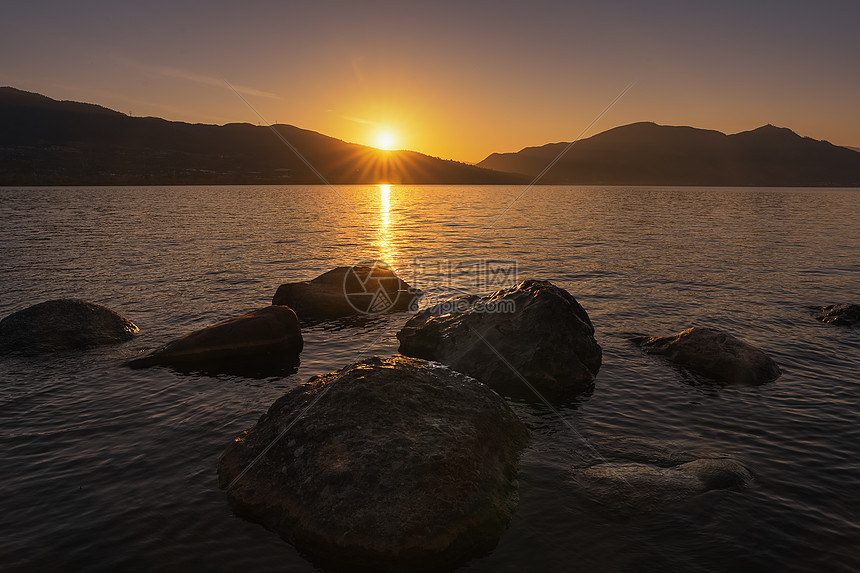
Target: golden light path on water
386,251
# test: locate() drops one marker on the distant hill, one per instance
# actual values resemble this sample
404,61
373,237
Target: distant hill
857,149
651,154
49,142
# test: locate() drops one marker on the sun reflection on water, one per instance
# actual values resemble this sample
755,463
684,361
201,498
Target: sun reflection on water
387,252
384,207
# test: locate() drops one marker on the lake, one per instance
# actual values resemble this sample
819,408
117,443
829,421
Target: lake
104,468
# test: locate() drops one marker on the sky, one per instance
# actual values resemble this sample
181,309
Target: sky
457,80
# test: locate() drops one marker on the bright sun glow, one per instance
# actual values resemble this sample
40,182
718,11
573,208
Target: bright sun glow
385,140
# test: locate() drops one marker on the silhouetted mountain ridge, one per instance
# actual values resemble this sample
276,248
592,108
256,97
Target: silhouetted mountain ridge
44,141
646,153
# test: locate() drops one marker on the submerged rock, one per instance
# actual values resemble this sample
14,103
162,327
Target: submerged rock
388,464
715,355
63,324
840,314
539,329
263,340
622,477
635,487
366,288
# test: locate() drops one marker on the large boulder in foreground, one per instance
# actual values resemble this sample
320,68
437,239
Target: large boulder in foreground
366,288
391,464
840,314
715,355
264,340
61,325
535,330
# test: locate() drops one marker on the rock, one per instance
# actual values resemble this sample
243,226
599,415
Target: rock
715,355
366,288
840,314
388,464
625,488
61,325
539,329
261,341
623,477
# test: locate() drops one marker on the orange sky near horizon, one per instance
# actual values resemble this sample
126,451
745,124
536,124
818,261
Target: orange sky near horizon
458,81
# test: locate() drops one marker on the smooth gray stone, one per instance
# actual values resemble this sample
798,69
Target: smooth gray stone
626,488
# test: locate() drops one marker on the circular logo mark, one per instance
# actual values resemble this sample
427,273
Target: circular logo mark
371,287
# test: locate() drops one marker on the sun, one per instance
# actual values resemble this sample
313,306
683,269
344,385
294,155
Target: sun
385,140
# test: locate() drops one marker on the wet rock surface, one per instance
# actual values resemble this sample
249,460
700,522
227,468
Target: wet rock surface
840,314
539,329
634,477
363,289
631,487
715,355
388,464
267,340
63,324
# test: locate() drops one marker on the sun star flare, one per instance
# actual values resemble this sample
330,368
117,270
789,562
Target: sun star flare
385,140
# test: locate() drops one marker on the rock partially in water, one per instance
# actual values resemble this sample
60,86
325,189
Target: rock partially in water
264,340
363,289
62,325
629,488
393,464
840,314
539,329
715,355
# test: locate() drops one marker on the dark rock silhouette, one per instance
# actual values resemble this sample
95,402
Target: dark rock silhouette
650,154
365,288
44,141
393,464
715,355
63,324
840,314
540,330
264,340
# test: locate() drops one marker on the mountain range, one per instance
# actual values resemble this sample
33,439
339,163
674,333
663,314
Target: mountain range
49,142
649,154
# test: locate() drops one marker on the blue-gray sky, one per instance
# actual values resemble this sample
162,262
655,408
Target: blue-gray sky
453,79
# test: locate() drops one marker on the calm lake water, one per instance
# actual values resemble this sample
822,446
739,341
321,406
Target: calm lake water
107,469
